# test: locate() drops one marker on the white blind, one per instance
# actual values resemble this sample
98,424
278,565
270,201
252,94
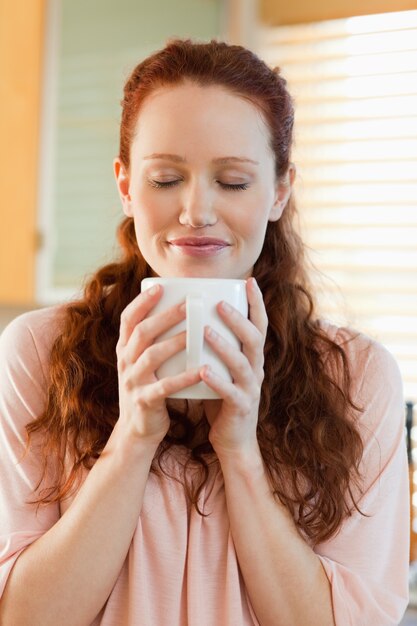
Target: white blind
355,87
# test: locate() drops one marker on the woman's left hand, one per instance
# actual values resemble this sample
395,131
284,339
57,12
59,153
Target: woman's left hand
233,419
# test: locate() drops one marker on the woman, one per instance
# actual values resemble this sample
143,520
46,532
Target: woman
285,502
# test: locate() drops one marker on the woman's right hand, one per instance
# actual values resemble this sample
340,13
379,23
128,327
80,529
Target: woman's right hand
143,411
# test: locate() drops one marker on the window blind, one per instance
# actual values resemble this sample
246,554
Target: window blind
355,87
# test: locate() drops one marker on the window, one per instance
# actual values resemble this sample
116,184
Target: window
355,87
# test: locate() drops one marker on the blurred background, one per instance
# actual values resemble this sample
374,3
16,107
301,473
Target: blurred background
352,68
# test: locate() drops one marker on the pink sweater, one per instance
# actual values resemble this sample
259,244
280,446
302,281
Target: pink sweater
182,569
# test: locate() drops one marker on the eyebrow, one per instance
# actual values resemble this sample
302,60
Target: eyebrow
180,159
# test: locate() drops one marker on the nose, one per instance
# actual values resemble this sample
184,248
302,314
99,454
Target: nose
197,206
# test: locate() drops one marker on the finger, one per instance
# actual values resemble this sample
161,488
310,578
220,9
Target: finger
152,394
146,365
257,311
147,331
238,364
226,390
136,311
248,334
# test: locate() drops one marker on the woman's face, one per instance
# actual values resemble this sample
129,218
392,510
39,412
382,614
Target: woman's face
216,180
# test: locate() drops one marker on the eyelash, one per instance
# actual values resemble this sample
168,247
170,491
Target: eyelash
171,183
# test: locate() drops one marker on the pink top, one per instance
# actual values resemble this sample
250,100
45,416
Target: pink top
182,569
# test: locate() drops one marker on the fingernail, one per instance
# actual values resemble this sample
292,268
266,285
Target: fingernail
254,284
181,307
226,307
153,290
208,371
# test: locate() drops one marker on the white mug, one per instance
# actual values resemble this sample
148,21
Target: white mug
201,296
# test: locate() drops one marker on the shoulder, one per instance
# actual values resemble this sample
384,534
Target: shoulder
367,357
376,381
25,346
26,341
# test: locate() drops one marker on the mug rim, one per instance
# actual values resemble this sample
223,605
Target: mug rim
192,279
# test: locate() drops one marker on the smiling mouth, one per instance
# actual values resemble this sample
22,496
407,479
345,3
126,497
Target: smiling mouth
199,250
199,241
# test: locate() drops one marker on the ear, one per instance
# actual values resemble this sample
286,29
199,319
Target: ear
122,181
282,194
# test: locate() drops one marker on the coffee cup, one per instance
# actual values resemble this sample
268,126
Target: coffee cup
201,296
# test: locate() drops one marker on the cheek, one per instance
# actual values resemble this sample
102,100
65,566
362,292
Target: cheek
248,227
152,210
252,223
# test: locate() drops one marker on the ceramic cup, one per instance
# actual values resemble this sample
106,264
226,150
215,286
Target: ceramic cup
201,296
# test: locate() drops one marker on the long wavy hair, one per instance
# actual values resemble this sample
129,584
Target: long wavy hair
307,428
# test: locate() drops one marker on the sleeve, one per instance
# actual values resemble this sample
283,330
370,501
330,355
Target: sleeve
367,561
22,398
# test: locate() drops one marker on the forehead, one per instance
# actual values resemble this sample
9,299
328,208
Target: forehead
206,116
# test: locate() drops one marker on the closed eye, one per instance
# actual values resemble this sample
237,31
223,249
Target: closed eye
237,187
160,185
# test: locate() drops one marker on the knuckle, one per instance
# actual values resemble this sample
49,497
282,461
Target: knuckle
235,395
253,343
138,333
181,339
256,386
125,378
124,317
147,358
247,405
242,365
128,384
140,400
241,369
122,364
155,396
258,383
164,387
258,336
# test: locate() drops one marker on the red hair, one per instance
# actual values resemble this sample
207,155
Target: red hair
307,419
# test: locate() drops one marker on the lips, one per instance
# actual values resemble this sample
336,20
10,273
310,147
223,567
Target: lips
198,241
199,246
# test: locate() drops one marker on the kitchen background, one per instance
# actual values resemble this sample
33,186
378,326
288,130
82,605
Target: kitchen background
352,67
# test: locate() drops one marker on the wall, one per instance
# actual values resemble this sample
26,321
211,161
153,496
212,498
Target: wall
98,47
21,38
106,38
276,13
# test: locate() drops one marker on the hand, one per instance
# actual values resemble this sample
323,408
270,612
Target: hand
143,411
234,418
